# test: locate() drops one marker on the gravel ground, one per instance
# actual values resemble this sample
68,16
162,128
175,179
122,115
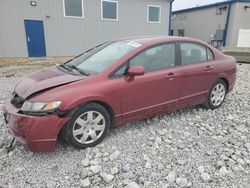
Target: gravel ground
188,148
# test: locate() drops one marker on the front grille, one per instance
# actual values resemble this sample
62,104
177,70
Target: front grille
17,101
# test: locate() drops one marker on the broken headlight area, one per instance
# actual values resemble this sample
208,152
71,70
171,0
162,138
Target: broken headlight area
39,108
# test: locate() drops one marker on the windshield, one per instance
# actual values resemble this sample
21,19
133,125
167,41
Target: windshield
102,57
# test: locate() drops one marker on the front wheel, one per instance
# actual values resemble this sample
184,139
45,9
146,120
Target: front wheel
88,126
217,95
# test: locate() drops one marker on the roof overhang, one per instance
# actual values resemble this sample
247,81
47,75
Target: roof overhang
210,6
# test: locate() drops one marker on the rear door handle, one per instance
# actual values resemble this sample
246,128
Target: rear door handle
171,75
208,68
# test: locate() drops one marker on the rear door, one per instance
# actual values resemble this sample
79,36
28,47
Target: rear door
157,90
198,71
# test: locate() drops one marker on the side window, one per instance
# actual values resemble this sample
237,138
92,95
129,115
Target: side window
210,55
122,71
193,53
156,58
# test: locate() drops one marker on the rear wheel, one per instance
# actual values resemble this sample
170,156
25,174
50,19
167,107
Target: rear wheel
88,126
217,95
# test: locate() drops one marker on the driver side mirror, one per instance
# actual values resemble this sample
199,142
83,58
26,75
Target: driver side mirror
136,71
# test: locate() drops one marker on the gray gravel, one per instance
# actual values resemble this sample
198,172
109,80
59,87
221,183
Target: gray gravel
188,148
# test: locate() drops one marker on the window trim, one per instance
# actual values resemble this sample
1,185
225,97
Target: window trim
77,17
117,10
112,74
211,53
196,43
157,6
127,62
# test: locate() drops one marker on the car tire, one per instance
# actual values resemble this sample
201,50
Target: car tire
87,126
217,95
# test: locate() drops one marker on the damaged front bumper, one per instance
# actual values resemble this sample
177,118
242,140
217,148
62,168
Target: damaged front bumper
39,134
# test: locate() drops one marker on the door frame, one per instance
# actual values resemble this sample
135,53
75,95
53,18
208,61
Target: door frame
161,107
44,51
198,97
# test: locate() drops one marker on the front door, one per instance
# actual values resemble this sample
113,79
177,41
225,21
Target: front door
154,92
35,38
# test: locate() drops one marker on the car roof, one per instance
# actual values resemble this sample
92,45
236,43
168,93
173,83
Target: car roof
156,39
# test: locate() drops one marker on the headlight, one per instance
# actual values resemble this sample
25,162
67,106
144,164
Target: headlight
40,106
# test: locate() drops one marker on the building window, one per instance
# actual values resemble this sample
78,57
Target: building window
171,32
154,14
181,32
221,10
73,8
109,10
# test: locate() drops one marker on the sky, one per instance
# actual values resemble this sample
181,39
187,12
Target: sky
182,4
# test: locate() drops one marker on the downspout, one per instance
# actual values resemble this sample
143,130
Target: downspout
170,17
227,23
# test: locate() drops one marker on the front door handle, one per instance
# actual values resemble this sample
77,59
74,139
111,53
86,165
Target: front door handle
28,39
171,75
208,68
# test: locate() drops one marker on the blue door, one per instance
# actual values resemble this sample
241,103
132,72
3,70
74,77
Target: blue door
35,38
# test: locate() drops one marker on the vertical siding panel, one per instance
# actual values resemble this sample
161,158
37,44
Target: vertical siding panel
200,24
240,20
70,36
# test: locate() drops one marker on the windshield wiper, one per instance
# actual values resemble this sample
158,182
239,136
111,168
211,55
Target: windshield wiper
65,67
77,69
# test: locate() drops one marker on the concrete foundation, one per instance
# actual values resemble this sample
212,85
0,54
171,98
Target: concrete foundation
240,54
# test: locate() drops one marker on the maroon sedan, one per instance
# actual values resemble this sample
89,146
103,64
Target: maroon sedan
115,83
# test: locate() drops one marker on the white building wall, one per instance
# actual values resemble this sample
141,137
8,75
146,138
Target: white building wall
71,36
239,19
200,24
204,22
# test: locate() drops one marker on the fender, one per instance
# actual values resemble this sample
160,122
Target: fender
77,103
222,75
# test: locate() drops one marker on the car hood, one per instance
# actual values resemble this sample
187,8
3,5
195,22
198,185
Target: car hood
44,79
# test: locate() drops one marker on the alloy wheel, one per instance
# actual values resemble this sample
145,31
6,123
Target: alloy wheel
89,127
218,94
